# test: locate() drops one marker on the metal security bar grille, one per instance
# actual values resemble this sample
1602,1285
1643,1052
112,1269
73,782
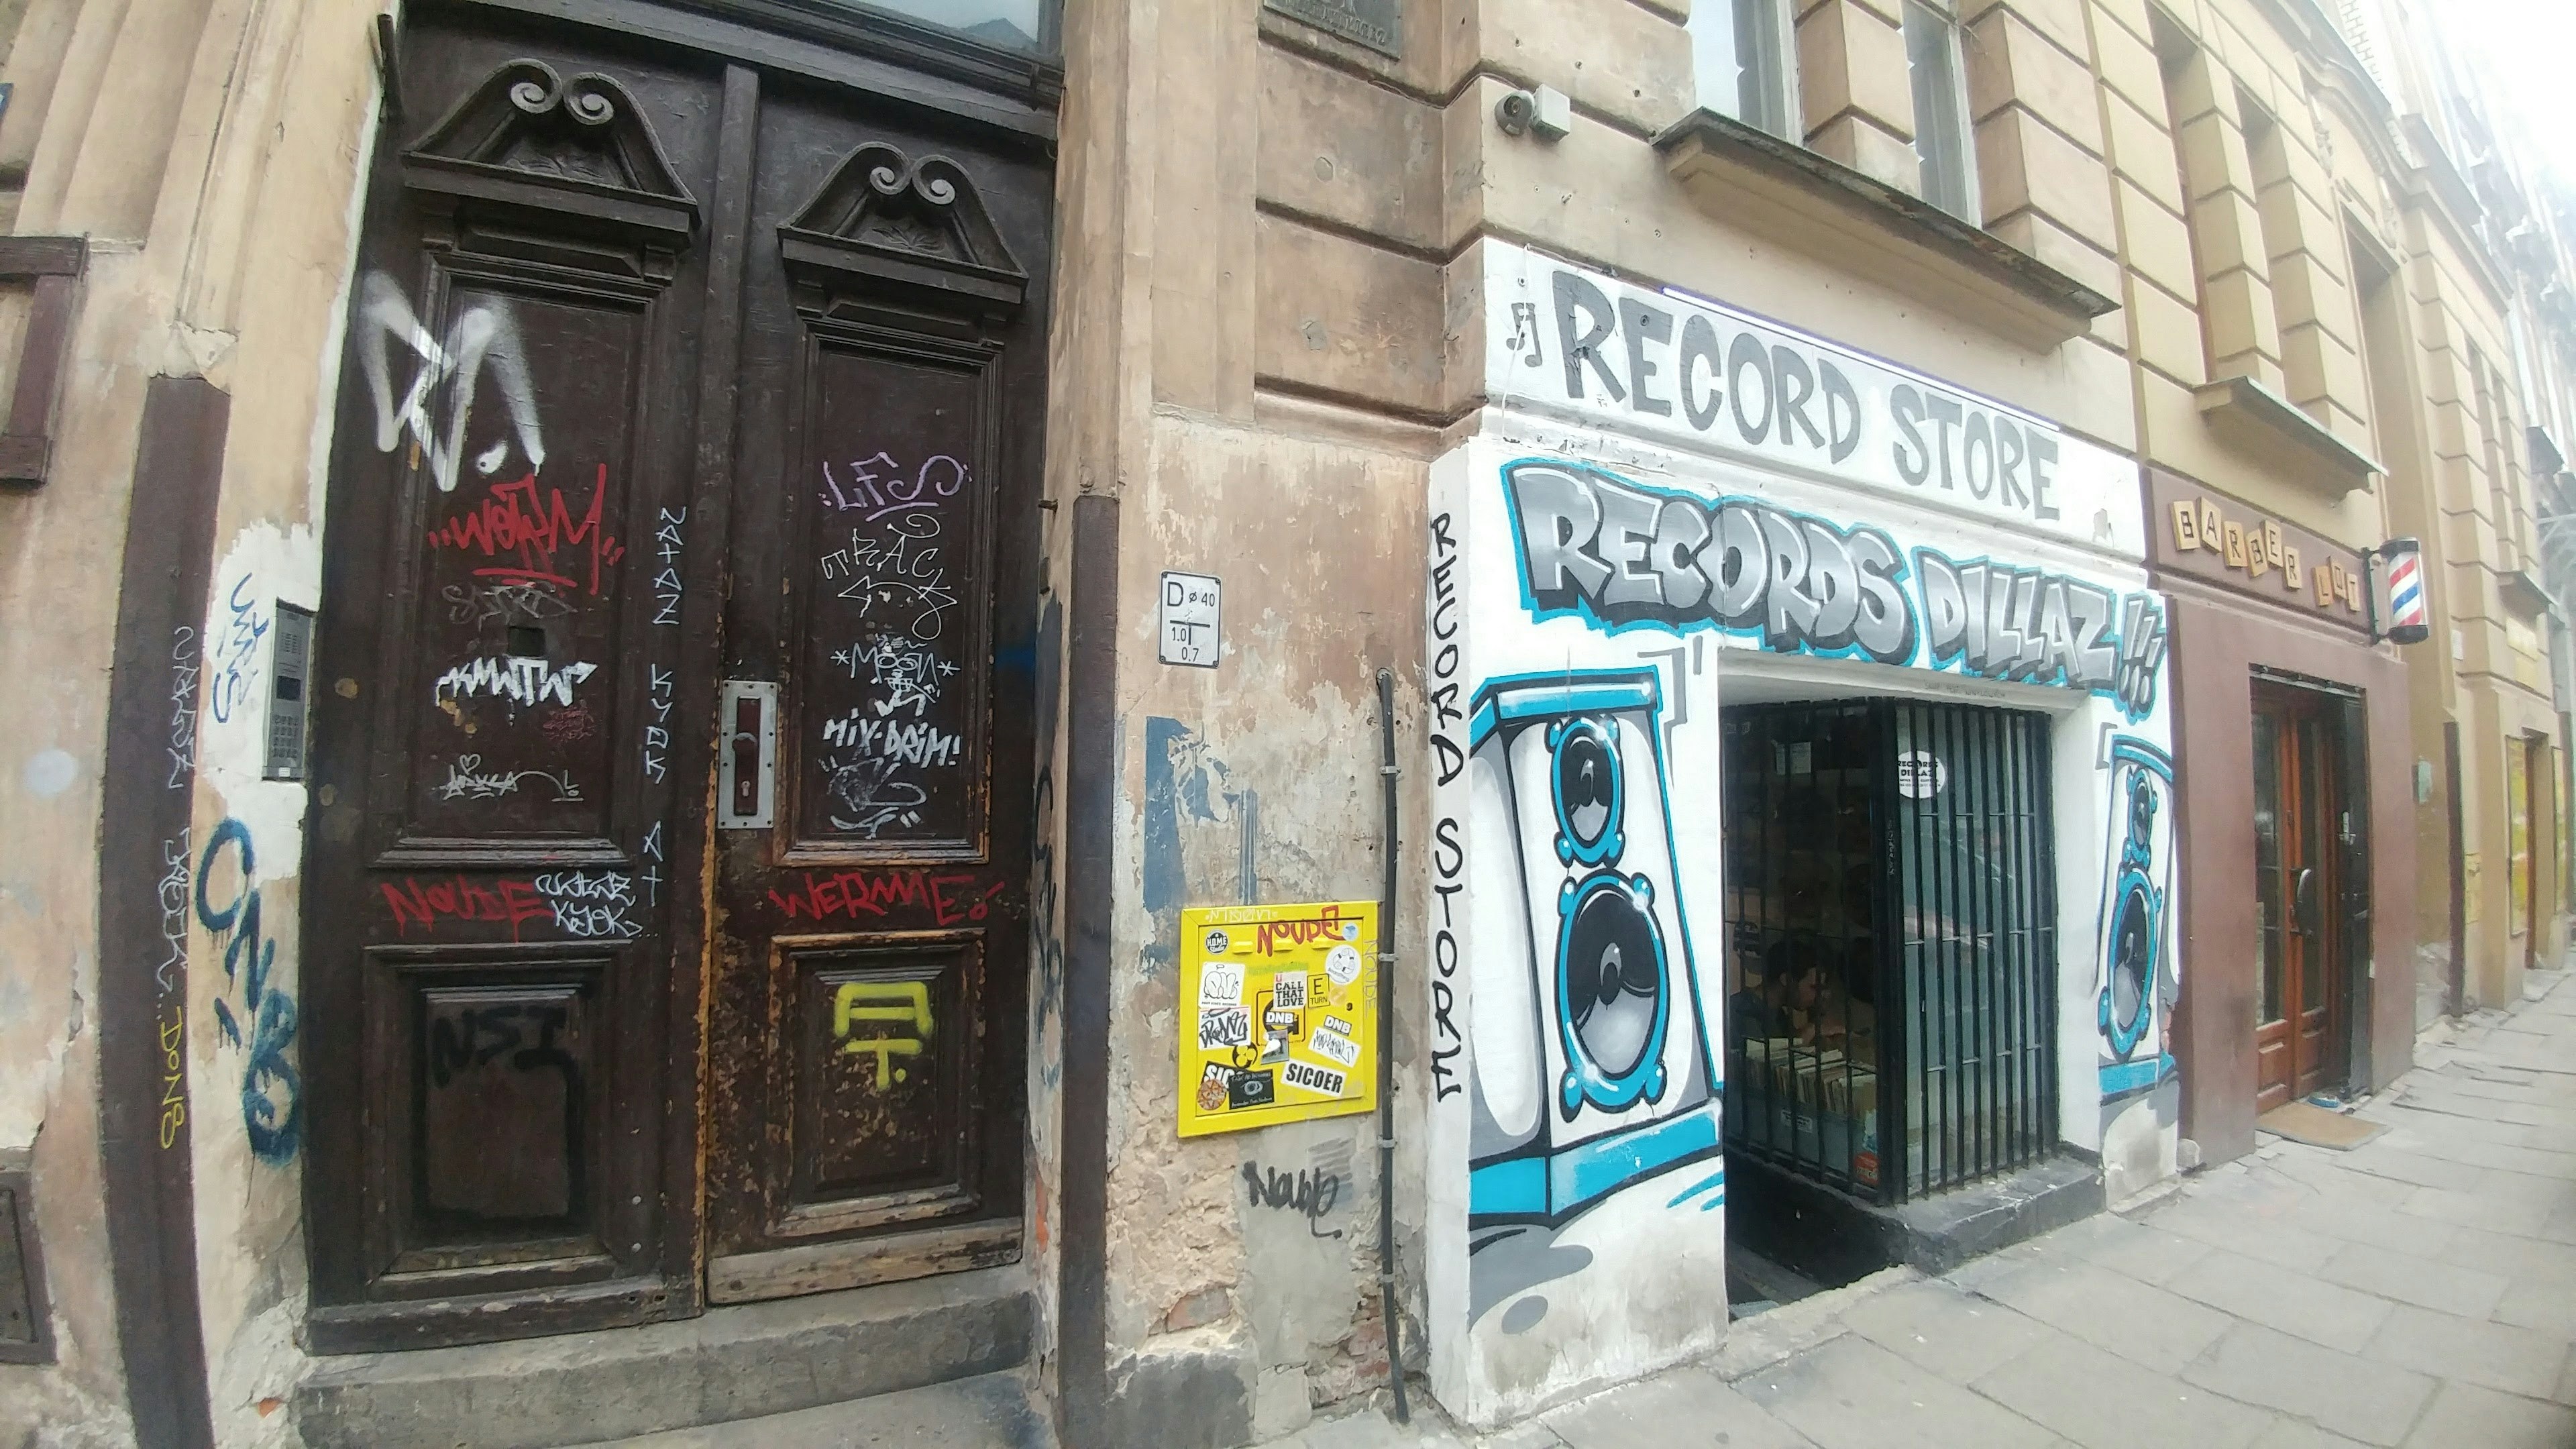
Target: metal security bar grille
1890,912
1976,900
1804,815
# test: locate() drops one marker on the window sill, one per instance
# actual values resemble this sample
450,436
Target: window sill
2262,422
1791,195
2546,456
2524,593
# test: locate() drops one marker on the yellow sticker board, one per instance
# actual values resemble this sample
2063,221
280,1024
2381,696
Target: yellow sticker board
1278,1019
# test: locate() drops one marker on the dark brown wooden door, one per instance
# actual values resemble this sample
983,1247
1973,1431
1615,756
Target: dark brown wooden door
497,778
875,760
2299,818
640,330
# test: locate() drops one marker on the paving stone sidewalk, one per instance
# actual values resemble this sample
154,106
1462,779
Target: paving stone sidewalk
2419,1290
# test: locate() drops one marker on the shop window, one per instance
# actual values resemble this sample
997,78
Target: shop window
1942,139
1741,62
1891,929
1026,25
2271,912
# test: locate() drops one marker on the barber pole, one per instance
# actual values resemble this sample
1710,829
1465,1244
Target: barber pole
2399,603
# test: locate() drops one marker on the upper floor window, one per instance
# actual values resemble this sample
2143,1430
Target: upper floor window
1741,62
1942,139
1008,24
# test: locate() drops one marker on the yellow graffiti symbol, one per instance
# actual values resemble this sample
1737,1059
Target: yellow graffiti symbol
908,1002
174,1096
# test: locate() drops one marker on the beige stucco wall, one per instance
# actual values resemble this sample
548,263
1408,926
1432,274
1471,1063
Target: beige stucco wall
210,152
2347,177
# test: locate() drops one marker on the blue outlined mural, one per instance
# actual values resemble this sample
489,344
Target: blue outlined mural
1622,555
2138,984
1570,768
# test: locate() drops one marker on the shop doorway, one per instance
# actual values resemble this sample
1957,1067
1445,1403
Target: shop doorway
671,776
2527,774
1891,925
2304,830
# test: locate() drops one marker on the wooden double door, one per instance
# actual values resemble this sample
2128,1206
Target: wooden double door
2308,835
664,921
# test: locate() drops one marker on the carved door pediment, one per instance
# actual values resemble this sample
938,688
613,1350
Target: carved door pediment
885,222
530,150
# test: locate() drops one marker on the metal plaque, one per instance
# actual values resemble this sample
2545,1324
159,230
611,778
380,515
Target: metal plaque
1191,621
1372,23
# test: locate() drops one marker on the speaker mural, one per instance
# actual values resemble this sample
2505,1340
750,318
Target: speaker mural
2139,980
1606,1079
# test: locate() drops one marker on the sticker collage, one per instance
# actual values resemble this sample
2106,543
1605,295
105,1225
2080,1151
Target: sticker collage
1286,1014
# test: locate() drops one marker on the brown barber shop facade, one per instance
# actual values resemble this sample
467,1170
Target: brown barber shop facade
2290,728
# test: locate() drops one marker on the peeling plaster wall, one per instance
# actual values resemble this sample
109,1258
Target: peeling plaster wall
221,218
1250,354
1253,782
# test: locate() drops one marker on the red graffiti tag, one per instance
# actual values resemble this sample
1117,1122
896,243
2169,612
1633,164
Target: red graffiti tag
1288,935
515,518
950,899
511,901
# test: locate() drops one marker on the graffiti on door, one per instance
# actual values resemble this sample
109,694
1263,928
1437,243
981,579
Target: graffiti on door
886,1019
445,373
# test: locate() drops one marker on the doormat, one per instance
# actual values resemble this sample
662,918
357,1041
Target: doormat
2317,1127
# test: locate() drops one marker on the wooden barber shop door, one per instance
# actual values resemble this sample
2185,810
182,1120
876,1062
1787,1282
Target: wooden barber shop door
874,759
2299,815
682,517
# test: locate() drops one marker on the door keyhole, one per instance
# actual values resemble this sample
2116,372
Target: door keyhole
746,756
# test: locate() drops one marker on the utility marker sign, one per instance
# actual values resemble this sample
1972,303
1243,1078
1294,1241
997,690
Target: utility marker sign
1187,620
1286,1024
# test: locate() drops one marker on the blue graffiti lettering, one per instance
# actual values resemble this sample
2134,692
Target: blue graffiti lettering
272,1093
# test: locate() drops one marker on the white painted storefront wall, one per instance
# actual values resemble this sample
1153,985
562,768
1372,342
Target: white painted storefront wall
1668,493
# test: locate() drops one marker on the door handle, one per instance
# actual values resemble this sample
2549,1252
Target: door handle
2303,900
747,766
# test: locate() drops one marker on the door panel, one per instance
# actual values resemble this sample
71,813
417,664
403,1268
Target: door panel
2274,975
872,968
488,931
2299,818
525,633
2314,898
888,755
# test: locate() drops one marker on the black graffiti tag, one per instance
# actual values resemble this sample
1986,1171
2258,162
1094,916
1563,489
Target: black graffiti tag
1449,860
1309,1194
